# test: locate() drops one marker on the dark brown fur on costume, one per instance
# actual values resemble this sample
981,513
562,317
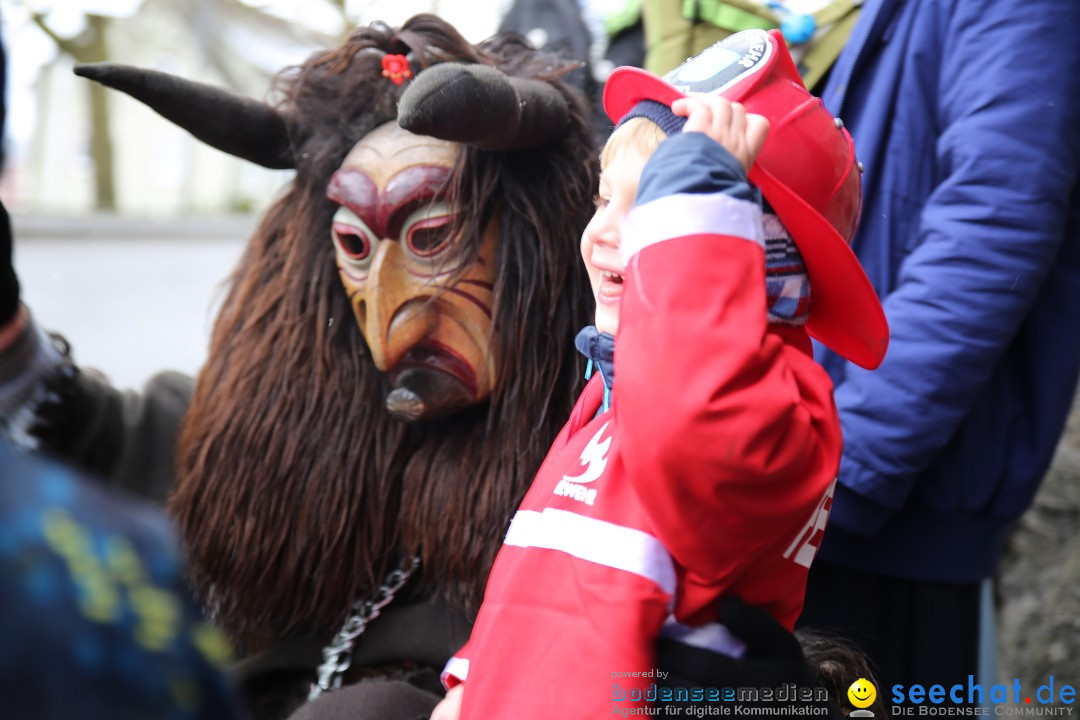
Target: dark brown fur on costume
296,491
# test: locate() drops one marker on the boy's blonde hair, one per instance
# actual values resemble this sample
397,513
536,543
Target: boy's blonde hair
638,135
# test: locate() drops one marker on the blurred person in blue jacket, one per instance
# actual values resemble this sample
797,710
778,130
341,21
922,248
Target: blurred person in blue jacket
95,620
966,114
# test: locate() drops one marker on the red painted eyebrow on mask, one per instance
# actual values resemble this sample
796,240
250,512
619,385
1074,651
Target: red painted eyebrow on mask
385,212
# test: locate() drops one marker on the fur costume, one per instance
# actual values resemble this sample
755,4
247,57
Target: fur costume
296,490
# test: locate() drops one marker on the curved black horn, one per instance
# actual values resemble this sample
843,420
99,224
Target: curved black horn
482,106
240,126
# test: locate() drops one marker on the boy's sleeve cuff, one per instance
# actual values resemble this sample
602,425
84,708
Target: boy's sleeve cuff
455,672
693,163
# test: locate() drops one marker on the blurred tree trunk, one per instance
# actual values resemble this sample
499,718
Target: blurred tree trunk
91,45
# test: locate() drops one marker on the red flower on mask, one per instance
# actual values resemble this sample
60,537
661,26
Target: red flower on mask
396,67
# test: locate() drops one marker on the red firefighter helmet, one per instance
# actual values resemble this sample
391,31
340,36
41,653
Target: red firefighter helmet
807,172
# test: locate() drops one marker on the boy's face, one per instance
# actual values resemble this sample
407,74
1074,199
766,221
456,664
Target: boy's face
602,236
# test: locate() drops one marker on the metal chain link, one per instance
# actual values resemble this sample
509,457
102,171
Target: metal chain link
337,656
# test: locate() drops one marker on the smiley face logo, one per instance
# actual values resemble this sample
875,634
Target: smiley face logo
862,693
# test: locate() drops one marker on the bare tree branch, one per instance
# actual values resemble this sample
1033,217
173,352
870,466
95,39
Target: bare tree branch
65,46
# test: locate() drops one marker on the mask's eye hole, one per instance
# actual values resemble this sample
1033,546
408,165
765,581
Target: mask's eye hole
428,240
427,231
352,237
354,245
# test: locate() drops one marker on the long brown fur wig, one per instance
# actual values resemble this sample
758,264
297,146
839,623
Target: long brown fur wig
296,490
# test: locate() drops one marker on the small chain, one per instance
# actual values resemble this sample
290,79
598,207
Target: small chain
337,656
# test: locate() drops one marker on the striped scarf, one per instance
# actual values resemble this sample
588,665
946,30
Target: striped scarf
787,286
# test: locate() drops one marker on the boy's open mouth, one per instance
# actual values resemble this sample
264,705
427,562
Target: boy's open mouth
613,277
611,288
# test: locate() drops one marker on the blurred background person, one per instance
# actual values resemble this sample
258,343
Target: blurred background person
971,235
96,621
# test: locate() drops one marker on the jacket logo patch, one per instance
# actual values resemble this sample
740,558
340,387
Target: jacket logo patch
594,458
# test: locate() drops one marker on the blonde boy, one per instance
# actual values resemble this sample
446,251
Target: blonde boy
700,460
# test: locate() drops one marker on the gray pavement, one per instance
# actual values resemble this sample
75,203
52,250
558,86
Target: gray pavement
132,296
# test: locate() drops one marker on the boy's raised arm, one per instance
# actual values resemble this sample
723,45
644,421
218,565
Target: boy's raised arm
723,420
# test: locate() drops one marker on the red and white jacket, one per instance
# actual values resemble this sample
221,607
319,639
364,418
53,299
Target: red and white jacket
711,473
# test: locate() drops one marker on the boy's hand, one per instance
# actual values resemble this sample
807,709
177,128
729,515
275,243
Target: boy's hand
773,658
450,706
739,132
773,655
